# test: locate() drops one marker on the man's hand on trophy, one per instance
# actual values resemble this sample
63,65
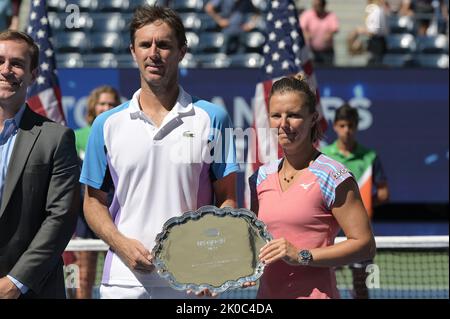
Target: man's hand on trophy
135,255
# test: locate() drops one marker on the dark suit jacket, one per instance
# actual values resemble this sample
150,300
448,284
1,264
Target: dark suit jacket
38,212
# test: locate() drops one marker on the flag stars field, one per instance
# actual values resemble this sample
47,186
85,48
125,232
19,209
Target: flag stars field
44,97
44,66
41,34
40,80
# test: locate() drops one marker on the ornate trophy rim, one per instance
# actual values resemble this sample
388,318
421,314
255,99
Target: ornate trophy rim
250,218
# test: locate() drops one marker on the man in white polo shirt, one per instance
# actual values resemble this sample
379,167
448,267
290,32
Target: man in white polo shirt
164,151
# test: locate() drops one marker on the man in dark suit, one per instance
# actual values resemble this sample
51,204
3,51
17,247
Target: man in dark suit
39,190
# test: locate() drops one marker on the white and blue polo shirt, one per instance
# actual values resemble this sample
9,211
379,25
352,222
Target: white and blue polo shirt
157,172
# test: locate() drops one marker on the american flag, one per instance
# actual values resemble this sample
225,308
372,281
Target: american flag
44,97
285,53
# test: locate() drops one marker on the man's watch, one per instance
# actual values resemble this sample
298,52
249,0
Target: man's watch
305,257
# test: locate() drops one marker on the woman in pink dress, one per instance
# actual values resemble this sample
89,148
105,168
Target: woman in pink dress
305,198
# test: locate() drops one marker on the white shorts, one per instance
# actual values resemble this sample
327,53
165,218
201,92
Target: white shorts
139,292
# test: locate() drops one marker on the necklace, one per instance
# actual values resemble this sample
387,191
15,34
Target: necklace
290,178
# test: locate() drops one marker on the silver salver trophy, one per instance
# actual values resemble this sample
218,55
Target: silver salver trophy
211,248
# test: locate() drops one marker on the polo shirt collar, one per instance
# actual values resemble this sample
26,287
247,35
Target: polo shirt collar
182,105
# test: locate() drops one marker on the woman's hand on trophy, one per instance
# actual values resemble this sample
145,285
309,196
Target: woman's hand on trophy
203,293
249,284
277,249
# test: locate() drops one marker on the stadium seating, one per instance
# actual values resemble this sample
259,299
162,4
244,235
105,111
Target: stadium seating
126,60
108,42
56,5
188,5
208,24
262,5
191,21
112,22
104,60
114,5
216,60
193,41
69,60
246,60
102,29
84,5
252,41
97,6
102,32
135,3
433,44
211,42
83,22
189,61
432,60
398,60
403,24
56,24
400,43
76,42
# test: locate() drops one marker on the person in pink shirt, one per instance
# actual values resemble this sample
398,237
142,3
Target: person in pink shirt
305,198
319,26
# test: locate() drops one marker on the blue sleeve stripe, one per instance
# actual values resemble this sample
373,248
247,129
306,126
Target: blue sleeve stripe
326,178
327,186
267,169
326,195
218,115
95,162
221,122
261,175
327,165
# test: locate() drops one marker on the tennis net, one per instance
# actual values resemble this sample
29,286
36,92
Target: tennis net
410,267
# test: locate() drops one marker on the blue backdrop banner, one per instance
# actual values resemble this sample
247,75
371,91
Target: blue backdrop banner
404,114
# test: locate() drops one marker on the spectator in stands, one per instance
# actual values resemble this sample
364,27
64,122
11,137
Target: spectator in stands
406,9
100,100
24,13
376,29
366,167
393,6
39,191
430,14
231,17
5,14
424,10
319,27
304,199
14,25
135,148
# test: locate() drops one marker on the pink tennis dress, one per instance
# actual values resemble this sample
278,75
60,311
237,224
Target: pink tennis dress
302,215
